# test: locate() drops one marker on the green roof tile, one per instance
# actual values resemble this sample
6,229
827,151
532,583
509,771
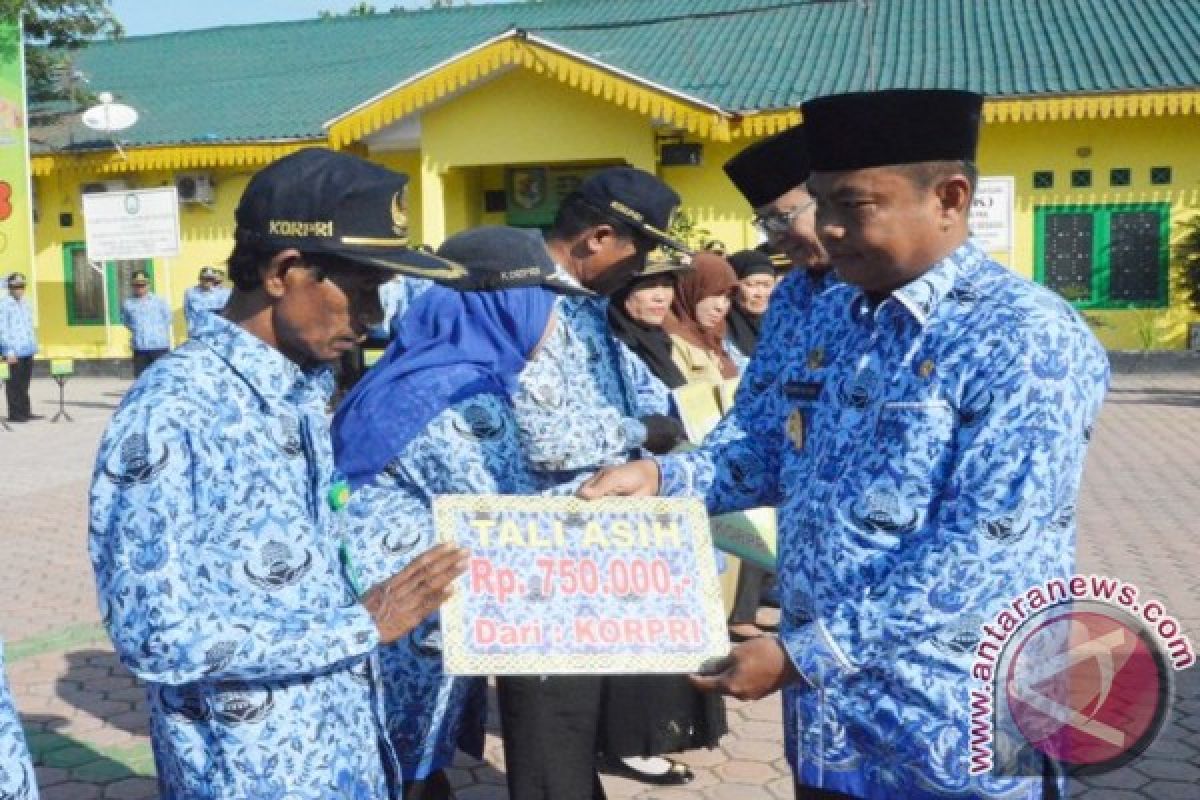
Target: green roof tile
284,80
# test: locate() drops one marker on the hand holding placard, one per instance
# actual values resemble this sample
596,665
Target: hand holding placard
400,603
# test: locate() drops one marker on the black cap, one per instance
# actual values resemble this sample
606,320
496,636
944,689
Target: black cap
320,201
770,168
636,198
139,278
16,279
894,126
498,257
751,262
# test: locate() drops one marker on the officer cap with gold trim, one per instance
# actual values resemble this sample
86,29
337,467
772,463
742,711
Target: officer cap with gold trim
320,201
893,126
770,168
637,198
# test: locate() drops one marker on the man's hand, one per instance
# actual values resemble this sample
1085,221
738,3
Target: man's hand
400,603
752,670
635,479
11,360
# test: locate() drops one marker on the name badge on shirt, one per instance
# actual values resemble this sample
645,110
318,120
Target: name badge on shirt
802,391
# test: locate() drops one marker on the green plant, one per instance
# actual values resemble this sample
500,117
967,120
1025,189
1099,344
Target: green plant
685,229
1187,256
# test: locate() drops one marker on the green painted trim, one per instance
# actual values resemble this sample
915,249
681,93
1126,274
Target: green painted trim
111,286
54,641
1101,241
73,319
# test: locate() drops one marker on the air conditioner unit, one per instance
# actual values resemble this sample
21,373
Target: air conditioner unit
104,186
195,187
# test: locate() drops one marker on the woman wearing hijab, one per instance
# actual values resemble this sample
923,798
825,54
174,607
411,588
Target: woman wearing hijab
636,314
433,417
696,323
756,280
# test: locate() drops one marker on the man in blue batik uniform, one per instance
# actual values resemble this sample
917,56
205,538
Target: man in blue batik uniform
17,779
580,407
148,318
207,296
978,390
213,530
18,346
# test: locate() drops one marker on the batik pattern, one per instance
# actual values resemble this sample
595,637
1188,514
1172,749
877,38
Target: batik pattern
220,582
471,448
198,302
928,453
582,394
16,327
17,779
148,319
395,297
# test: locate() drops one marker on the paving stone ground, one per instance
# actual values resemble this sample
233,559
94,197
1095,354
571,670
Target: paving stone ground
85,715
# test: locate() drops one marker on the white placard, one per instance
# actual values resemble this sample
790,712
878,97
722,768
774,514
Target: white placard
139,223
991,217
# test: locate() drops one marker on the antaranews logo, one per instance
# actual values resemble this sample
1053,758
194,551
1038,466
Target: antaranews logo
1078,670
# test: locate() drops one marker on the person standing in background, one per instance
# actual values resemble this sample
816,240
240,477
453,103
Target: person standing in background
18,345
207,295
148,318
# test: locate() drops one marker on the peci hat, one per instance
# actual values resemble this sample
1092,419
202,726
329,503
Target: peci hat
16,280
499,257
636,198
321,201
139,278
893,126
771,167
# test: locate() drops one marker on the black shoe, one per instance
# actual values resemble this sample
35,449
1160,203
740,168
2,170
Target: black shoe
29,417
676,775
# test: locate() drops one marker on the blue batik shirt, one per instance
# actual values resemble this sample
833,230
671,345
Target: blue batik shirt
470,448
148,319
198,302
582,394
926,455
17,779
395,297
221,583
786,320
16,328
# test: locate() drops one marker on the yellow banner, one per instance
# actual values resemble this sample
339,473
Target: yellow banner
16,210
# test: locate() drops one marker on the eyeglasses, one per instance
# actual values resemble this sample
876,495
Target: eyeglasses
780,222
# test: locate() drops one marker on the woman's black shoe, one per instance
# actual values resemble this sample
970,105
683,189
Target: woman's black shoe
676,775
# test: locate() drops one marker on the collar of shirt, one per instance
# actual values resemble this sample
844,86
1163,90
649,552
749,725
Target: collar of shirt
268,372
921,297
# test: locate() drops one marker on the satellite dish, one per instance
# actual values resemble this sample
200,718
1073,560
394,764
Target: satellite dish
109,117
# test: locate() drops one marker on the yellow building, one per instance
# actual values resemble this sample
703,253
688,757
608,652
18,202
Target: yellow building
1090,144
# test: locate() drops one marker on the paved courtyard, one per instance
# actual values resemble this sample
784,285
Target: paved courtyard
86,719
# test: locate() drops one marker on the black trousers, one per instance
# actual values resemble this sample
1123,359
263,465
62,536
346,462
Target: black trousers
16,389
550,736
144,358
748,595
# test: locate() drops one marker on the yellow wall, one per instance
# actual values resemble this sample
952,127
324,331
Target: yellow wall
517,118
521,118
1018,149
207,238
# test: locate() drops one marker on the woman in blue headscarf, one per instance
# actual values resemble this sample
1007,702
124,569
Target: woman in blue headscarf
433,417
